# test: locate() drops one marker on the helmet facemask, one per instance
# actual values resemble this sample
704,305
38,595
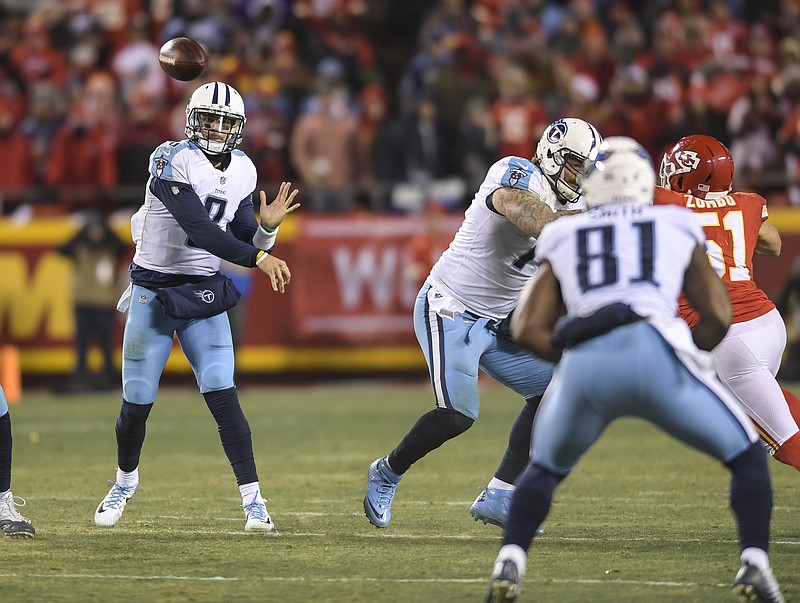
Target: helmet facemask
215,131
566,181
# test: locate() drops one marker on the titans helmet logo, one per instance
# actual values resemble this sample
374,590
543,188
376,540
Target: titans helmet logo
557,131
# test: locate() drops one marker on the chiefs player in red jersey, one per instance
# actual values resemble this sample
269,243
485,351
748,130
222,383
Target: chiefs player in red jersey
697,173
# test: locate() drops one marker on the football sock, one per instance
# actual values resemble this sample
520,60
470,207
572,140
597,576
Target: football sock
498,484
516,554
429,432
789,451
5,452
130,429
751,497
755,556
530,505
249,491
128,478
234,432
518,451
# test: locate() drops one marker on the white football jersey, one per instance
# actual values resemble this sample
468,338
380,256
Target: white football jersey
489,261
161,244
634,254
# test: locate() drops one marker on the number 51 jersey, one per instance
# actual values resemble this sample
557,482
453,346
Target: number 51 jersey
731,224
161,244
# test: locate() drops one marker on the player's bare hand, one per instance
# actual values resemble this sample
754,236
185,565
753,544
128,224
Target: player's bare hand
277,271
272,214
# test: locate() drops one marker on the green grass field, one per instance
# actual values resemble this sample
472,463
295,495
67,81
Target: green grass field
643,518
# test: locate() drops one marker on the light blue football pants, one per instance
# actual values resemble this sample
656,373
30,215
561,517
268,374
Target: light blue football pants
147,344
456,349
632,371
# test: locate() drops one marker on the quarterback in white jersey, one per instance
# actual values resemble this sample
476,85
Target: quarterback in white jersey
161,243
606,295
460,315
198,209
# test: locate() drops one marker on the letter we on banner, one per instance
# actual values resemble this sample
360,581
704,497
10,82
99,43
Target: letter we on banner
352,281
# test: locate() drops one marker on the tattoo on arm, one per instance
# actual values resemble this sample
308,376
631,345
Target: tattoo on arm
525,209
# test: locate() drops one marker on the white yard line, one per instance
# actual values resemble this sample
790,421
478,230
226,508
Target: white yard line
355,579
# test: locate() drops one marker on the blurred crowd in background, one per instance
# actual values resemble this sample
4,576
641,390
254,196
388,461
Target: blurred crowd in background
388,105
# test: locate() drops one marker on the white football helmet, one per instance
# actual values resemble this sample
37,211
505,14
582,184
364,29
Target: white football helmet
565,145
215,118
619,171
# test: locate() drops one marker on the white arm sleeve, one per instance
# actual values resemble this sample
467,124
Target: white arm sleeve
263,239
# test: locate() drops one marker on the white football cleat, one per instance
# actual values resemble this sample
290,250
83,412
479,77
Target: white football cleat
257,515
111,507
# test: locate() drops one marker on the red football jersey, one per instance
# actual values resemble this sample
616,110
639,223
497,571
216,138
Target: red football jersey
731,224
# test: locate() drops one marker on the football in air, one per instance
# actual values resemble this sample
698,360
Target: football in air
182,59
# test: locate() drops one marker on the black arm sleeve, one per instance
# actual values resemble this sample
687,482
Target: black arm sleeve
244,223
188,211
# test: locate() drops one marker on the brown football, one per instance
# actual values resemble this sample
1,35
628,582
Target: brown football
182,59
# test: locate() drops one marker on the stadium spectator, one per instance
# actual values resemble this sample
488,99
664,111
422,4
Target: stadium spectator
95,252
517,117
18,173
199,210
374,139
268,129
461,310
622,351
324,150
753,122
736,227
45,118
135,65
143,126
83,155
427,149
35,58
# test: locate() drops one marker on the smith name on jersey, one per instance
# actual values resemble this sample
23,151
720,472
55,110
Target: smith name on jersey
581,252
490,259
188,207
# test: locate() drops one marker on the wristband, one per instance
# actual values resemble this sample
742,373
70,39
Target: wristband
260,256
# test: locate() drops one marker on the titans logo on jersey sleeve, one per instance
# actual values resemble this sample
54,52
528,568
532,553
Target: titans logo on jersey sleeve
518,173
163,162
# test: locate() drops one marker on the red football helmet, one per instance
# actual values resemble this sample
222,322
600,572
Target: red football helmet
697,165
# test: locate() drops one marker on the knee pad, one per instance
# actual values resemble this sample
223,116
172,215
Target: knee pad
215,377
139,391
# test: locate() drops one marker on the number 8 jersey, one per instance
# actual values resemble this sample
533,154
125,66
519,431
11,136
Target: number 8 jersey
161,243
731,224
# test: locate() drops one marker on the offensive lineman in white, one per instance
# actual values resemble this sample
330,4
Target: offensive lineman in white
198,208
460,313
607,291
